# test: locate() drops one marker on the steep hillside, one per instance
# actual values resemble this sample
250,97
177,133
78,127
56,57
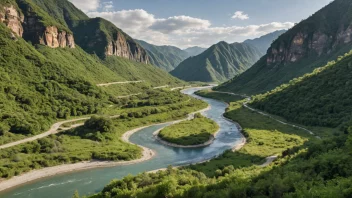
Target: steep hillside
165,57
218,63
60,18
44,79
308,45
322,98
263,43
194,51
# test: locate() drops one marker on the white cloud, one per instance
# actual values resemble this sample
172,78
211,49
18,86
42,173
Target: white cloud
107,6
179,23
85,5
183,31
240,15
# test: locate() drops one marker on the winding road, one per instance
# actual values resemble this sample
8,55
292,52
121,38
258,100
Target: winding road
122,82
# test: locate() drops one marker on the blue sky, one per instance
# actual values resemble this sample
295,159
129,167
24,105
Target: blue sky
186,23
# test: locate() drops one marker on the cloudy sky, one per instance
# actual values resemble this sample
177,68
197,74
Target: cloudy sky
187,23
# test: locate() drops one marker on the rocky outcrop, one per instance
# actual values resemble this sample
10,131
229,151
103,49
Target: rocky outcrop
123,48
304,44
54,38
13,19
37,33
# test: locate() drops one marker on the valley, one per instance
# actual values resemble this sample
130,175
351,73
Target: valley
107,99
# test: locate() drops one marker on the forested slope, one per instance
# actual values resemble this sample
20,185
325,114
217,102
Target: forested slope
218,63
321,98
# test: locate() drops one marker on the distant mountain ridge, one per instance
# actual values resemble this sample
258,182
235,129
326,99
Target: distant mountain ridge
164,57
194,51
218,63
264,42
308,45
168,57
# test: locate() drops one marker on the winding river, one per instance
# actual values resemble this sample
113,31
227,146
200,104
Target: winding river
88,182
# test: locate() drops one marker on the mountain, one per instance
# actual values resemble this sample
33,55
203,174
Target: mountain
194,51
321,98
263,43
311,43
218,63
46,75
165,57
58,23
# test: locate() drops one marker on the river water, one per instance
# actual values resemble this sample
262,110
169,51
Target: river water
88,182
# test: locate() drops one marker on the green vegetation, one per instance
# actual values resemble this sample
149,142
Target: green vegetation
322,169
220,62
302,165
137,71
100,137
321,98
265,137
40,85
190,132
293,61
165,57
30,8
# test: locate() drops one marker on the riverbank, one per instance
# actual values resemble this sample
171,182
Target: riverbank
147,154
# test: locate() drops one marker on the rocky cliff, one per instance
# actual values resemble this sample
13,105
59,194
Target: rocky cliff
30,26
12,18
304,44
311,43
101,37
122,48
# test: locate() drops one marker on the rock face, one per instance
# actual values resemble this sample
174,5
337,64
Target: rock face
51,36
130,50
304,44
13,19
54,38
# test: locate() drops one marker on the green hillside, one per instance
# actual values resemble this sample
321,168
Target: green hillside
321,98
165,57
308,45
41,85
220,62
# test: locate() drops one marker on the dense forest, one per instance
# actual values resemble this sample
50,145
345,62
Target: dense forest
321,98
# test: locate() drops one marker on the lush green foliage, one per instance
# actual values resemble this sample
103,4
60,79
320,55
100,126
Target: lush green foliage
165,57
321,170
319,165
220,62
99,137
138,71
331,21
190,132
40,85
321,98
